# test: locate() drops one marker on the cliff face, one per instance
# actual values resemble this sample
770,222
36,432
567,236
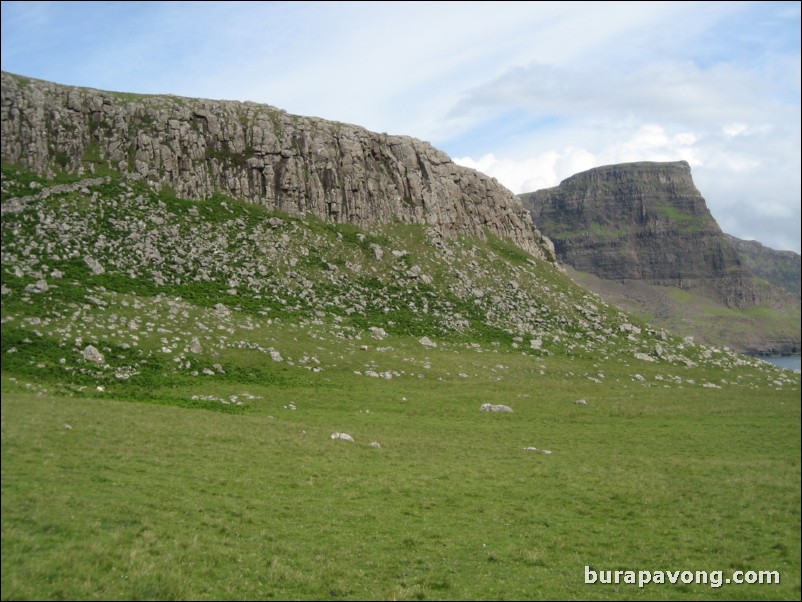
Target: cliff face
780,268
288,163
642,221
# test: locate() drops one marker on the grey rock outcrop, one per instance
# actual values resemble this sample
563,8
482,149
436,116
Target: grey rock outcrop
297,165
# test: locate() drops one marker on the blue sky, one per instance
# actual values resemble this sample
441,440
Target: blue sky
529,93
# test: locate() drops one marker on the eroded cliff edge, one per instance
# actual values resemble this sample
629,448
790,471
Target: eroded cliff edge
297,165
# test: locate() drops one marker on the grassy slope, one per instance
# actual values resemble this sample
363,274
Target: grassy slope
695,313
189,498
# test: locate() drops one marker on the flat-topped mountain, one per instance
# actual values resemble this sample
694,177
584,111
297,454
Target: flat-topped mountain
641,225
288,163
642,221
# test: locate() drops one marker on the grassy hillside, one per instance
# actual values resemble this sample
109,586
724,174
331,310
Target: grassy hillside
696,313
173,372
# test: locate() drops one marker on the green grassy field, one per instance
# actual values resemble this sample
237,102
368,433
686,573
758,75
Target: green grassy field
106,499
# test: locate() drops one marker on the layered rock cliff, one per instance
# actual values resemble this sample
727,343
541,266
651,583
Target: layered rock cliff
642,221
641,235
293,164
780,268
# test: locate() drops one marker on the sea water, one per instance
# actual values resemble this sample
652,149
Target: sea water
789,362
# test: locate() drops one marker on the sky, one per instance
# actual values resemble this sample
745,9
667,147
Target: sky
527,92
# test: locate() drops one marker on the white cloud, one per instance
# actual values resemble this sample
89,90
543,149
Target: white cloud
648,143
543,171
749,198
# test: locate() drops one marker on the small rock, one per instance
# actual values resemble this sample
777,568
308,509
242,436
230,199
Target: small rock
91,354
375,444
195,346
490,407
427,342
94,265
40,286
342,436
581,402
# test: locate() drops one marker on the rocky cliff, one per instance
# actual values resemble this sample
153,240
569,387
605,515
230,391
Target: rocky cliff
641,235
780,268
297,165
642,221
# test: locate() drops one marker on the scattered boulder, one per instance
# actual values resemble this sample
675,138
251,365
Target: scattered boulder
375,444
91,354
40,286
581,402
490,407
377,332
195,346
342,436
94,265
546,452
427,342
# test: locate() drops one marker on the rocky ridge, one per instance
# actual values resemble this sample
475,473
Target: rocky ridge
296,165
